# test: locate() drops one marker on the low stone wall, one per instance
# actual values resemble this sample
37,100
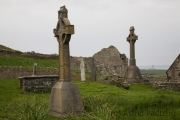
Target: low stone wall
175,86
14,72
38,83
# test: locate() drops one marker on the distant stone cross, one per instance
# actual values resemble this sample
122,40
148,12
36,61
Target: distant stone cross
132,39
132,73
82,70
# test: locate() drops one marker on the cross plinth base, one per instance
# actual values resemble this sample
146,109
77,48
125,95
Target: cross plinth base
133,75
65,99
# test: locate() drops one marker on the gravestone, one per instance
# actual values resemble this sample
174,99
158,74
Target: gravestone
82,70
65,97
93,70
35,69
133,73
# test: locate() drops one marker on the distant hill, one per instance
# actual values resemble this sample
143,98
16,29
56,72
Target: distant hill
6,51
4,48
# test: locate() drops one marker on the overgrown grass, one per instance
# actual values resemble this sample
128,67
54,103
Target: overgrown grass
155,73
101,102
27,62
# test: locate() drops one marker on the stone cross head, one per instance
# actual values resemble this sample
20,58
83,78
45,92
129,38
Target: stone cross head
63,28
62,13
132,36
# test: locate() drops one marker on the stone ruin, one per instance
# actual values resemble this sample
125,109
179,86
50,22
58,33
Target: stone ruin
173,77
173,73
110,62
110,66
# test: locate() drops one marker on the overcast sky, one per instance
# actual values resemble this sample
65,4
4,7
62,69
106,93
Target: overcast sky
27,25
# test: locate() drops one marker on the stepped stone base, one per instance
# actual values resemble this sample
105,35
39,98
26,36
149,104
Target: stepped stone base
65,99
133,74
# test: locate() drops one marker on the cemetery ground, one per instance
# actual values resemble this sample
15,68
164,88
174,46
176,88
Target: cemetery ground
101,102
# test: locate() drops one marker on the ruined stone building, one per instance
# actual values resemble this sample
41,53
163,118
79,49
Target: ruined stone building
173,73
110,62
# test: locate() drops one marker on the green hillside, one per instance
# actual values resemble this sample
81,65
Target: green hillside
26,62
2,47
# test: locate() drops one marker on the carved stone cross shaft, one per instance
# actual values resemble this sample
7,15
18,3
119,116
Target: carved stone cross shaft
63,33
65,97
132,39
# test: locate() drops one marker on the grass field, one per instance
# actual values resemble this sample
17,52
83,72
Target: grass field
155,73
101,102
27,62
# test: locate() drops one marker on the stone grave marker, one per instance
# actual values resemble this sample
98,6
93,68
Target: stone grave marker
65,97
82,70
133,73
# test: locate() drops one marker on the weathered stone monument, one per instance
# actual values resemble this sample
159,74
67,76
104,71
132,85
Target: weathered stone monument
65,97
82,70
133,73
34,69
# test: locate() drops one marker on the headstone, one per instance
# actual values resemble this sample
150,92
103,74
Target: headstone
93,70
133,73
35,69
65,97
82,70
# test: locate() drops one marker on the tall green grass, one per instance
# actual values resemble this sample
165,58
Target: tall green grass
101,102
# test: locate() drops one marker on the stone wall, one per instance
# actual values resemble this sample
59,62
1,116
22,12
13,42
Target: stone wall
14,72
109,62
175,86
38,83
75,63
173,73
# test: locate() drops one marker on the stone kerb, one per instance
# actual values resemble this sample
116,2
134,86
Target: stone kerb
175,86
41,83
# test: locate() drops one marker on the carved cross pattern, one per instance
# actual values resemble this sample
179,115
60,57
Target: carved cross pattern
64,29
132,36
